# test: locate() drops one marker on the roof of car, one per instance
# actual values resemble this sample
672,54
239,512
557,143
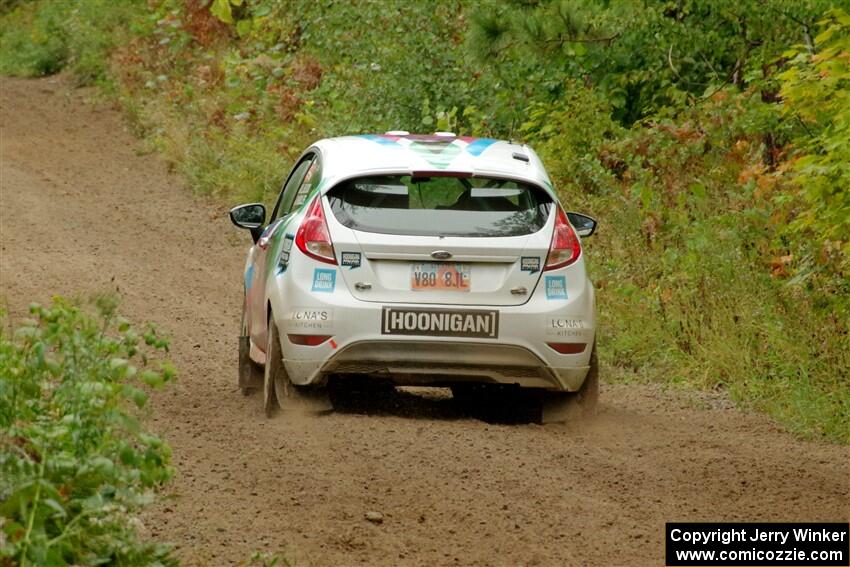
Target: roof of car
400,152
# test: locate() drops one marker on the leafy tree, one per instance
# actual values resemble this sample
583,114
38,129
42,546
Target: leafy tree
816,94
647,57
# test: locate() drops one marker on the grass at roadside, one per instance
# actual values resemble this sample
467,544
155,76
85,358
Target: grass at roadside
700,281
41,38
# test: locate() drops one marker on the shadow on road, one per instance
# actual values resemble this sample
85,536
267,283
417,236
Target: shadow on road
497,407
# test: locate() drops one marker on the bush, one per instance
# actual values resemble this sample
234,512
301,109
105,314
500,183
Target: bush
688,292
570,135
75,464
43,38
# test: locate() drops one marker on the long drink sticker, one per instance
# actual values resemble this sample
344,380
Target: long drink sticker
324,280
556,287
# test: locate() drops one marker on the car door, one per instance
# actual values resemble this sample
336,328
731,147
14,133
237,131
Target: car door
267,248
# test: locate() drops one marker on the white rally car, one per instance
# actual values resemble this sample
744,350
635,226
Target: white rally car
420,260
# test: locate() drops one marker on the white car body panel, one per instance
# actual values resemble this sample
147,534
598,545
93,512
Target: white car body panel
516,354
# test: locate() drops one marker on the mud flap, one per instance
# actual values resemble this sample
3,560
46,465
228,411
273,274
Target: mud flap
560,407
250,375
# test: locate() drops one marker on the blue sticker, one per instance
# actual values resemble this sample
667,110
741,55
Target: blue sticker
385,140
530,264
324,280
475,148
556,287
350,259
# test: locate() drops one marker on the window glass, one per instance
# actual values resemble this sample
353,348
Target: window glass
293,182
310,181
448,206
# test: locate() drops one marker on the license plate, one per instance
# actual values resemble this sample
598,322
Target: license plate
439,276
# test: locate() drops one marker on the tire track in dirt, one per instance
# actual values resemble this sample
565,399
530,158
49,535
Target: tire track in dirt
82,211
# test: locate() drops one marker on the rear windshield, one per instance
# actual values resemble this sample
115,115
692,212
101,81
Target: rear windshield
444,206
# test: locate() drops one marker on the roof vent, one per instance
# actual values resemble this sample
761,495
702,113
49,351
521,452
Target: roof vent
446,134
397,133
520,157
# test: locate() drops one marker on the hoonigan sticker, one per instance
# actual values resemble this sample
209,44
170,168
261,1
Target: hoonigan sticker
472,323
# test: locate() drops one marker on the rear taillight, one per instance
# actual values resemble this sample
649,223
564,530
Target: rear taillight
308,340
565,248
568,348
313,238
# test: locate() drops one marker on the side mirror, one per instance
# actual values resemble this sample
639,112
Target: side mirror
250,217
584,225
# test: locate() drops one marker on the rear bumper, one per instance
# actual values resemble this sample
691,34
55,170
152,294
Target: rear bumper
519,355
432,363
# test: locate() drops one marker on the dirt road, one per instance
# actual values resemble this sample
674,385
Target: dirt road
82,211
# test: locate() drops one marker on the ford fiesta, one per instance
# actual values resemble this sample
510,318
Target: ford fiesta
419,260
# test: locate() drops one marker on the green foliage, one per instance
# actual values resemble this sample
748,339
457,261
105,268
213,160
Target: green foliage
376,76
33,44
269,560
647,58
75,463
685,291
816,92
244,172
570,136
7,6
242,110
223,9
42,38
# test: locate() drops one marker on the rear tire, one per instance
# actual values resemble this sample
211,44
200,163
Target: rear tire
280,394
559,407
587,398
274,371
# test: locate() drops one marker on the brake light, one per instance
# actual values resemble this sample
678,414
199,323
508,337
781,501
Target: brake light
568,348
441,173
566,247
313,237
308,340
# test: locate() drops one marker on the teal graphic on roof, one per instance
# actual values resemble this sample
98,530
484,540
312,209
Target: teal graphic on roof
438,151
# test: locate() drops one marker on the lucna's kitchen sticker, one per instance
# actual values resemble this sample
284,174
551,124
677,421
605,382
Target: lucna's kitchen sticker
566,327
556,287
324,280
350,260
530,264
310,318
